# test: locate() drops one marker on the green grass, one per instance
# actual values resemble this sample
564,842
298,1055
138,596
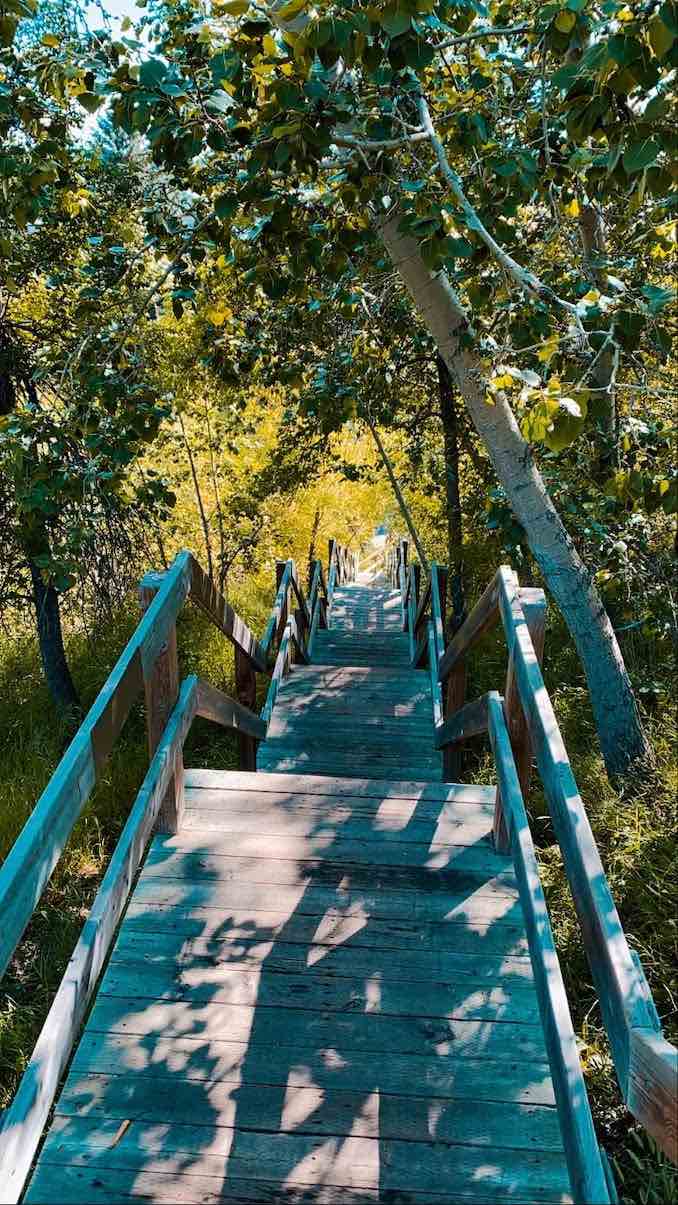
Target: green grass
635,837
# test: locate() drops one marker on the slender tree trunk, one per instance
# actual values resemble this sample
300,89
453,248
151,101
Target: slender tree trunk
201,505
622,739
50,639
311,547
404,508
603,404
449,417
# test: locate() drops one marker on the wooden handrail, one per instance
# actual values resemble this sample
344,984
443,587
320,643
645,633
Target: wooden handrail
469,721
24,1120
588,1180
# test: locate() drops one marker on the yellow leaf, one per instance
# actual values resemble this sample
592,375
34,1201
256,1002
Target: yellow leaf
490,399
565,21
548,349
624,14
49,40
270,45
218,313
663,488
592,296
572,210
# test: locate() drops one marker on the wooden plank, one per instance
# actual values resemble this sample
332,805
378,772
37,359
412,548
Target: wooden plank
534,607
469,721
466,979
279,606
291,784
483,616
201,981
110,720
620,991
161,690
307,822
436,694
653,1087
281,667
181,1188
23,1121
437,597
205,595
390,811
587,1175
29,864
499,1124
438,896
213,705
294,763
502,1174
435,857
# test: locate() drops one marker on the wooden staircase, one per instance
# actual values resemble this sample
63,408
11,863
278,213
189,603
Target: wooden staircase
359,709
334,979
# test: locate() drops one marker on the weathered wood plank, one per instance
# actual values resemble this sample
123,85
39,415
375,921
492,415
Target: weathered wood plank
179,1188
469,721
587,1175
161,690
205,595
620,990
207,978
348,787
483,616
29,864
23,1121
430,1074
465,977
107,1098
390,810
198,858
308,822
653,1087
213,705
501,1174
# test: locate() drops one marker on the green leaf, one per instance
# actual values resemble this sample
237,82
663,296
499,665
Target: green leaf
152,72
657,298
661,37
565,21
640,155
395,22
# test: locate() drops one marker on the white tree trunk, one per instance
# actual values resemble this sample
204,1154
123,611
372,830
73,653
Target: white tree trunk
618,722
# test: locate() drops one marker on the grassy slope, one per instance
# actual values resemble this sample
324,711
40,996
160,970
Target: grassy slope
635,839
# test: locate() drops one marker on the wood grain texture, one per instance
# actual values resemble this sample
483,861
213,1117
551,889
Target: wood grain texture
30,862
23,1121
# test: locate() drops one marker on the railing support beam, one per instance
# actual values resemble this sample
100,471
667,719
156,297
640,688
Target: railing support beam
161,688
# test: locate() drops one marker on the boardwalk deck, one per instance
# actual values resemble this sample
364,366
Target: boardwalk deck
321,990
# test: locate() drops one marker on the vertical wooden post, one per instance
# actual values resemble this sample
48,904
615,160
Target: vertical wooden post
417,591
280,567
533,602
246,692
161,687
330,555
455,697
442,594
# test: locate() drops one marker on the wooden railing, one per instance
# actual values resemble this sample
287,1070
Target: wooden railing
148,662
521,725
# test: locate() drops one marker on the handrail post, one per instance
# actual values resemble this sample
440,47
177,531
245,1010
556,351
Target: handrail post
455,697
280,567
161,688
533,602
246,693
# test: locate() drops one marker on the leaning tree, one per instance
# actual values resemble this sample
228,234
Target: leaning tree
474,145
